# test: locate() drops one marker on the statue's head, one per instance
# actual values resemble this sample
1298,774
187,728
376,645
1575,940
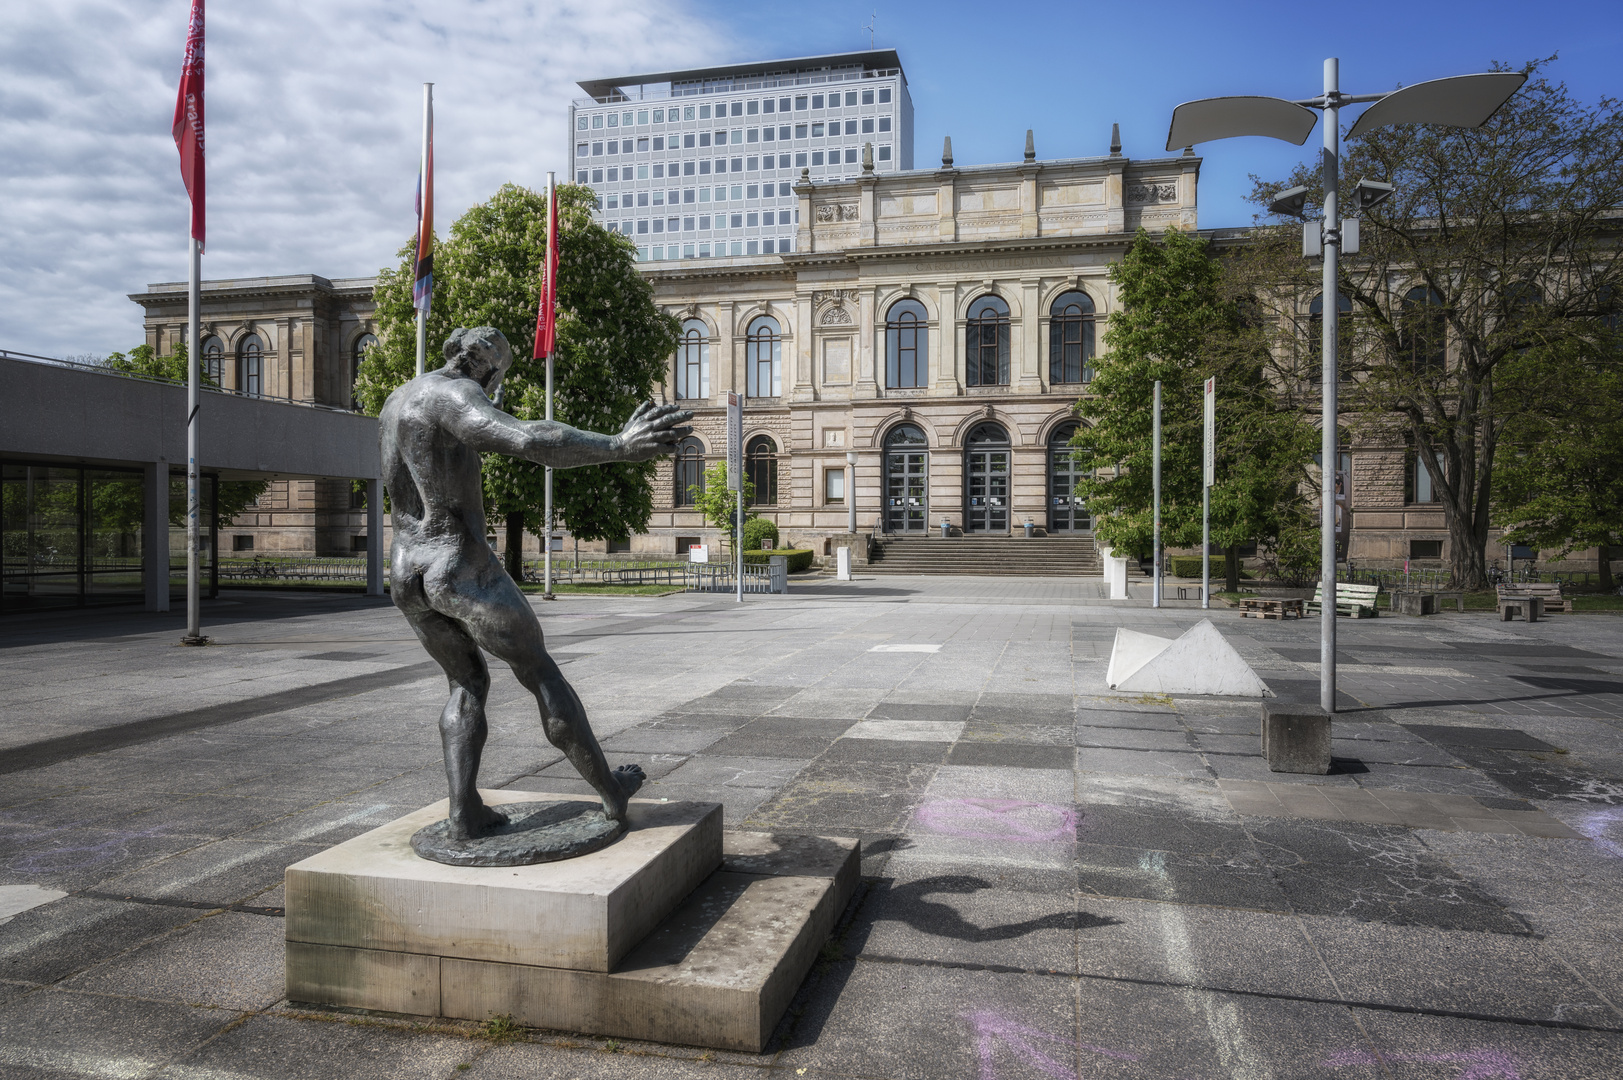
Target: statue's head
480,353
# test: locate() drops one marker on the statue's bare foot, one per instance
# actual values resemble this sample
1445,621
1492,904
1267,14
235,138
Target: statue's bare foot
474,821
631,778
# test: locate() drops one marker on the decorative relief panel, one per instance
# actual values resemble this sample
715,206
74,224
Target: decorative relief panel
1152,193
823,296
837,212
837,316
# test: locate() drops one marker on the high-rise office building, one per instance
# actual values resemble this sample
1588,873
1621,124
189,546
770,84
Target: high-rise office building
702,163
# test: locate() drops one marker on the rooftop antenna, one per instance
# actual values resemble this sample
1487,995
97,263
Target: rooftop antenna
869,27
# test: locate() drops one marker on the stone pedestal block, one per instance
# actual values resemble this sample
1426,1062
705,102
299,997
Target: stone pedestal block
1295,738
1414,603
726,956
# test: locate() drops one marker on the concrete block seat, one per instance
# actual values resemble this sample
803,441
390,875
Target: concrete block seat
676,933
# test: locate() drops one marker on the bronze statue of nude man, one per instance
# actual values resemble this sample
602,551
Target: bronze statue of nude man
449,583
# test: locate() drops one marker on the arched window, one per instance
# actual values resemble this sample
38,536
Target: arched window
907,345
761,469
906,436
1424,330
693,361
214,361
763,358
1315,335
362,343
986,350
1070,339
689,471
251,366
1067,512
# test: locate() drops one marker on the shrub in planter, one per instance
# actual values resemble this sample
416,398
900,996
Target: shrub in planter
758,529
799,559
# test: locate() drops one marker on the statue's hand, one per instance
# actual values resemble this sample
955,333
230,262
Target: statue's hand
653,430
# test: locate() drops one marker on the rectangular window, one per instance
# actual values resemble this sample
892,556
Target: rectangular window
867,97
738,221
752,135
817,131
851,156
738,164
884,123
614,119
704,194
659,252
783,190
751,220
246,543
704,222
768,105
673,224
738,191
704,251
659,198
738,247
642,145
582,149
597,121
800,160
738,136
642,198
833,487
783,104
752,107
659,225
687,140
704,112
614,175
1425,549
659,115
750,247
817,158
597,149
800,103
642,225
884,152
783,217
704,168
738,108
614,202
580,123
658,171
721,165
783,160
851,97
1421,487
800,131
768,134
580,176
752,192
687,195
614,146
597,176
817,101
687,168
704,138
673,197
850,127
783,134
867,125
687,224
642,173
884,95
625,119
687,251
753,164
642,116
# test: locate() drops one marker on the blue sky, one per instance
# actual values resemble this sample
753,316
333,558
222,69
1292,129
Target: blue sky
313,109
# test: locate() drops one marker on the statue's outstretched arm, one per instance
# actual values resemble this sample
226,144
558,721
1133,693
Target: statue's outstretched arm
652,431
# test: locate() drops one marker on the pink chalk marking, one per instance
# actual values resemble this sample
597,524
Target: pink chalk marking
1014,820
1598,824
992,1028
1479,1064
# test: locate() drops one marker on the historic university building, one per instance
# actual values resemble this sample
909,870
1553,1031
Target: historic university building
908,339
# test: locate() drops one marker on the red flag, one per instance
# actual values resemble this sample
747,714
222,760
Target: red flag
188,126
546,319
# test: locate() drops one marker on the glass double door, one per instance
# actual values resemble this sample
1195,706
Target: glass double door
907,505
986,491
1067,513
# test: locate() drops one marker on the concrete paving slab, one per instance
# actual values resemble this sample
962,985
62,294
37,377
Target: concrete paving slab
53,1033
299,1048
229,960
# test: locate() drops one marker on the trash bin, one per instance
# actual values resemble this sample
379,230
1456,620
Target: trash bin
1031,529
946,526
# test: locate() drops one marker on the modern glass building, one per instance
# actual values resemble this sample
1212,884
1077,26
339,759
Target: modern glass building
702,163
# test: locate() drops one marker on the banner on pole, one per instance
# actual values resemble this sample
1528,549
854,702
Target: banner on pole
1210,458
188,125
735,443
546,318
422,289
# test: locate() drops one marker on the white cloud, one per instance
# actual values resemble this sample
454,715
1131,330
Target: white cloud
313,114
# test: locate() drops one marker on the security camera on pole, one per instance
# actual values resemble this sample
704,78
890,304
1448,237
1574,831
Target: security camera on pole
1461,101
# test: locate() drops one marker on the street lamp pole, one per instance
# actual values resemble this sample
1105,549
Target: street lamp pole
1328,444
1461,101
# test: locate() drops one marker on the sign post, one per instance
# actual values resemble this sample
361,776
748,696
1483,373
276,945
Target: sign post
735,481
1155,536
1207,480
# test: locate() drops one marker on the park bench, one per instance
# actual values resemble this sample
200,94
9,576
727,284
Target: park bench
1270,607
1519,599
1357,601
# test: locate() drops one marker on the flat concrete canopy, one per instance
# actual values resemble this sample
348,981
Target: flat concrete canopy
68,413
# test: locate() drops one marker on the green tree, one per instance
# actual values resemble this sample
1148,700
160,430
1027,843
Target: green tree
613,345
718,503
1179,322
1492,266
143,360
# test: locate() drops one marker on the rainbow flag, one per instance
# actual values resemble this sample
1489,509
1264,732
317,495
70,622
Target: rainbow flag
422,289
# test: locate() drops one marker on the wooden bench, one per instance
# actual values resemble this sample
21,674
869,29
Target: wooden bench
1266,607
1357,601
1515,598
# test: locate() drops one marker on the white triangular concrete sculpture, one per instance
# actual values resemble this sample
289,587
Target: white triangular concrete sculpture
1199,662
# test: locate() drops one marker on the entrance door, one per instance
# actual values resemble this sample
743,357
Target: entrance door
1066,511
986,480
907,474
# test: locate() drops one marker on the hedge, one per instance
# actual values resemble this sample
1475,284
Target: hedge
758,529
1189,565
799,560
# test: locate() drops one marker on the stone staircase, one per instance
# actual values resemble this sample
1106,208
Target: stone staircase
1042,556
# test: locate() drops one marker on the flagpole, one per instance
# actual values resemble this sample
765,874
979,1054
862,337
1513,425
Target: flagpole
426,193
194,531
550,290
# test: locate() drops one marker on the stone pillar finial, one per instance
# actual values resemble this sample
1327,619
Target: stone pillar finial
946,152
1115,140
867,157
1031,146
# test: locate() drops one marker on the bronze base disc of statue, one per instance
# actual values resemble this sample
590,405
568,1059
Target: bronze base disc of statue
534,833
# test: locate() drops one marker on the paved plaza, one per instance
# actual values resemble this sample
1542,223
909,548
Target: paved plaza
1060,881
